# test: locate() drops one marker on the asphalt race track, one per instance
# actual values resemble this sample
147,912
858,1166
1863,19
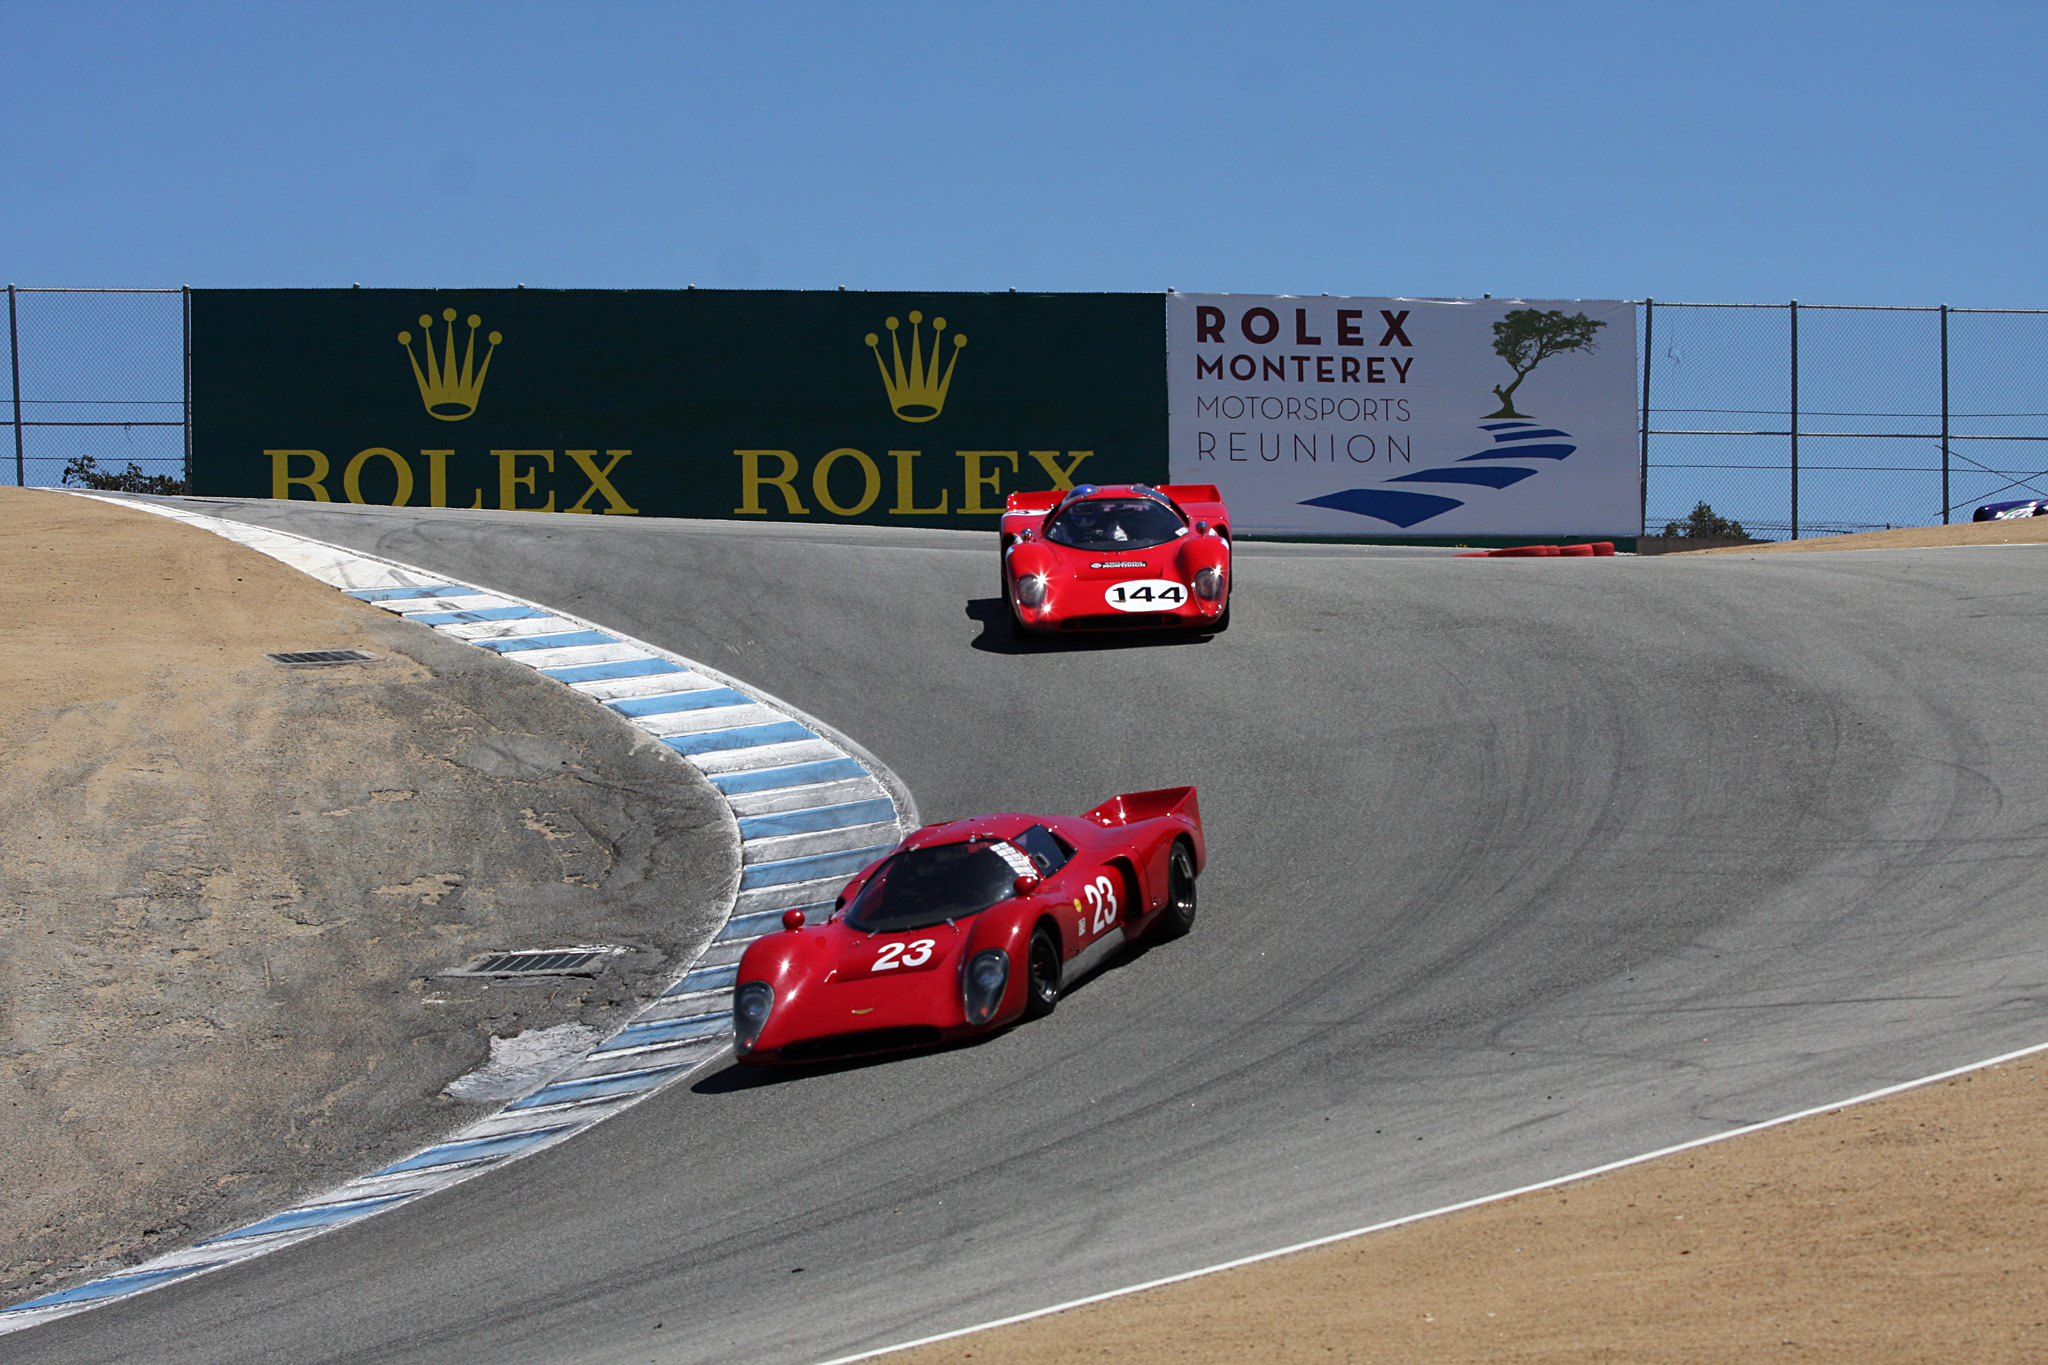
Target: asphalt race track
1516,867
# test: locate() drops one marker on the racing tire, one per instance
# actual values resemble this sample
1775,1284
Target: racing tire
1042,976
1179,915
1222,622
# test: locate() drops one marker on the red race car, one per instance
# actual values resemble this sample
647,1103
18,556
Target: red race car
967,927
1117,557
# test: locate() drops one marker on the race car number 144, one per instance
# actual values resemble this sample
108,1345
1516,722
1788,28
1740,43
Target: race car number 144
1146,594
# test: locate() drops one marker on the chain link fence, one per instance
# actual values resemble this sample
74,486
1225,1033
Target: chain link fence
1792,419
1802,420
99,375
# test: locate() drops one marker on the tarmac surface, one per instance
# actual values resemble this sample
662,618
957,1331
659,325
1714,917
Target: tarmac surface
1516,867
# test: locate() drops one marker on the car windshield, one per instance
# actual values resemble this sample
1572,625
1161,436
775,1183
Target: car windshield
1114,524
925,886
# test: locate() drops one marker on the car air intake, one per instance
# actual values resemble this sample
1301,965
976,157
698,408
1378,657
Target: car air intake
861,1044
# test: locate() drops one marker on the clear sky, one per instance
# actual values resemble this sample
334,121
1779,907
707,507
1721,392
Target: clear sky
1837,153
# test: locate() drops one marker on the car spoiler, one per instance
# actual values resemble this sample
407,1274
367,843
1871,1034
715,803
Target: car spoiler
1132,807
1033,502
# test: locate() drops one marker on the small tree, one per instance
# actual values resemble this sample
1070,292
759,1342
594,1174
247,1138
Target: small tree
1705,521
1527,337
85,472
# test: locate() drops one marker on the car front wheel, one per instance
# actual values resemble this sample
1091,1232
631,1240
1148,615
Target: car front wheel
1042,979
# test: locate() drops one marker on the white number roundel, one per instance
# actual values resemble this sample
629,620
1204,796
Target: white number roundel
1146,594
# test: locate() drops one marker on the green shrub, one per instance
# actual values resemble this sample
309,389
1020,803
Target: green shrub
85,472
1705,521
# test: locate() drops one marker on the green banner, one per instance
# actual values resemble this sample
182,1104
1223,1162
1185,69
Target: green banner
906,409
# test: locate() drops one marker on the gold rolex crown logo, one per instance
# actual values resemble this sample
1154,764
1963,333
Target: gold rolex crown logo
449,392
918,394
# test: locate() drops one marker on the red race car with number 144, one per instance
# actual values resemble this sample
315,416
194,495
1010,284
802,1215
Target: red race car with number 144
1117,557
967,927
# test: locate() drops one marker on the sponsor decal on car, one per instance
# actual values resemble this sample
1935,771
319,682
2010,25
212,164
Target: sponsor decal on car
1119,564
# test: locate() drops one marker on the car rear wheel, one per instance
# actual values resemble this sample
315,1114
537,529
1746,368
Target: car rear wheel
1179,915
1042,979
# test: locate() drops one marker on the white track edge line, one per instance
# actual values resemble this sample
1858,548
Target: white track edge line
1553,1183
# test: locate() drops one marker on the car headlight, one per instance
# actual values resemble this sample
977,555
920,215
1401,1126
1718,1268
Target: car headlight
1209,584
981,984
1031,590
750,1006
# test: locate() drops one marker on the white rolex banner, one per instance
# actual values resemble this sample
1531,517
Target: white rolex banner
1390,417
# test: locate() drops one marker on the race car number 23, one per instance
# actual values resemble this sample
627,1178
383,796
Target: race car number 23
1102,907
913,954
1146,594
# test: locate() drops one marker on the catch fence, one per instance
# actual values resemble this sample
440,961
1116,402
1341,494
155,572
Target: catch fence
99,374
1803,419
1792,419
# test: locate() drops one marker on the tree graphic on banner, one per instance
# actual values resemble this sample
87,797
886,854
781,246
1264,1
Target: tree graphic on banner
1527,337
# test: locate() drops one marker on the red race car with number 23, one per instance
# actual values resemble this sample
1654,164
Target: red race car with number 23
967,927
1117,557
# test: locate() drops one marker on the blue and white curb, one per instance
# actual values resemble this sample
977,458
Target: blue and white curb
812,808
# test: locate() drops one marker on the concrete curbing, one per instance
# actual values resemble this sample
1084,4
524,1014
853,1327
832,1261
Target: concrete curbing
810,806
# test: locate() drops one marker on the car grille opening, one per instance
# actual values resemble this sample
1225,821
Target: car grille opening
861,1044
1126,620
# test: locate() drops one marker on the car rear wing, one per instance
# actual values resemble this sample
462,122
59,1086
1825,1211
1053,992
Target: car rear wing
1132,807
1201,502
1033,502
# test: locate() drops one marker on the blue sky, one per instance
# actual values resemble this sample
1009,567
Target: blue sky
1838,153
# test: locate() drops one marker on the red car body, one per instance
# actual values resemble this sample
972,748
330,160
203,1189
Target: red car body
1117,557
892,969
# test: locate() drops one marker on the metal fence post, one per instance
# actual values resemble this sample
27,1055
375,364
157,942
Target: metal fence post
1944,414
1795,419
1649,329
186,290
14,366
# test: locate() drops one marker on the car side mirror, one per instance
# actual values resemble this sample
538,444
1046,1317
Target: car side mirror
1025,884
1201,528
792,920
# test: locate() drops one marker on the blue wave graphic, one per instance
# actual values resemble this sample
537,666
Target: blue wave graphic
1404,509
1493,476
1543,452
1384,504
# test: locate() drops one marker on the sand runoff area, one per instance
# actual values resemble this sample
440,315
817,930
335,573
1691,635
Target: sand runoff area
1907,1229
228,888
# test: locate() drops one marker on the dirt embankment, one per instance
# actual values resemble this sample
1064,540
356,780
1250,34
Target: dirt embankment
226,887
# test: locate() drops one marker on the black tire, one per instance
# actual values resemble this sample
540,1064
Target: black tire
1042,976
1223,621
1179,915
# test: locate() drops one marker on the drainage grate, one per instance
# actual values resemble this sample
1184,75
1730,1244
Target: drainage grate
318,658
539,962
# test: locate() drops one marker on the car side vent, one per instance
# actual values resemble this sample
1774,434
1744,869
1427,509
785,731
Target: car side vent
321,658
539,962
